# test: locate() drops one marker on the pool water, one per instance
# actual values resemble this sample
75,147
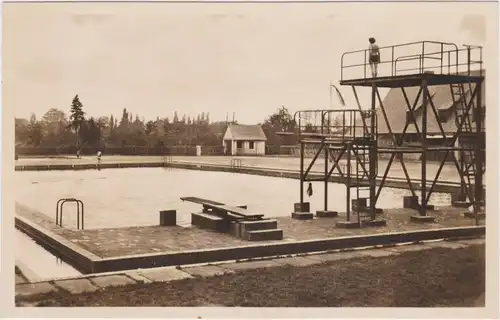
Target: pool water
134,196
42,263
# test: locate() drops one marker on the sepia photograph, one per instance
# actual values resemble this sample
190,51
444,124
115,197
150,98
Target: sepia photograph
251,155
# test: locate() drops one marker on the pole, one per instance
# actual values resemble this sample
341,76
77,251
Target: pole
348,191
372,155
425,97
478,179
326,175
301,173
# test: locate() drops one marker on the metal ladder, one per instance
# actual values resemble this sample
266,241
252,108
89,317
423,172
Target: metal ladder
467,157
79,218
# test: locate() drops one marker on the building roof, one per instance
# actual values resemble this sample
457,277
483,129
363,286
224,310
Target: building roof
244,132
395,107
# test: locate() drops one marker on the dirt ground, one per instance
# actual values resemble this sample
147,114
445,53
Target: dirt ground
429,278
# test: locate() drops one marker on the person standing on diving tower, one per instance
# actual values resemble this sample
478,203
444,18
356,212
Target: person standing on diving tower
374,56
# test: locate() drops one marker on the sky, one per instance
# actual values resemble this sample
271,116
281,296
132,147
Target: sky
250,59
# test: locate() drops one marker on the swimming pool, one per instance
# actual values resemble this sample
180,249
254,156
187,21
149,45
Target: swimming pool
133,197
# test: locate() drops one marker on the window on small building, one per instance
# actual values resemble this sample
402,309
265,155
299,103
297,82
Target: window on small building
251,145
239,144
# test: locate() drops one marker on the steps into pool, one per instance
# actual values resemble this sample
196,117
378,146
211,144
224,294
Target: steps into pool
258,230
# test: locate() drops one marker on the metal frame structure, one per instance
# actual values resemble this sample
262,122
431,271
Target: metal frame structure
337,135
59,212
446,65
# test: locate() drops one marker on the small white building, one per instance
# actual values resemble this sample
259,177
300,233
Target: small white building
244,140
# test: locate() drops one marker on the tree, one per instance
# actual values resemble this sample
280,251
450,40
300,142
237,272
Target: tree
90,133
77,116
35,131
280,121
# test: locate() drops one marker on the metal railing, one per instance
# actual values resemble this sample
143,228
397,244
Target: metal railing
79,218
343,124
236,163
424,56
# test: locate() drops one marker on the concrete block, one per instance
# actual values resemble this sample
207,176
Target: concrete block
326,214
28,289
304,207
446,244
302,215
423,219
335,256
470,215
409,248
165,274
251,265
264,235
460,204
136,276
257,225
472,242
298,261
347,224
375,223
112,281
206,271
168,218
378,253
76,286
360,202
208,221
235,229
410,202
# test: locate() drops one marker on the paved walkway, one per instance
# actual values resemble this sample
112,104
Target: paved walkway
448,173
94,282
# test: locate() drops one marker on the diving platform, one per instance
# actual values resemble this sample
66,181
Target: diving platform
412,80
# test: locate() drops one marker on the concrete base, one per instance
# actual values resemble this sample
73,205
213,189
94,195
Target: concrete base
258,225
422,218
235,229
302,215
28,289
460,204
347,224
410,202
208,221
264,235
76,286
165,274
470,215
112,281
326,214
367,210
305,207
168,218
375,223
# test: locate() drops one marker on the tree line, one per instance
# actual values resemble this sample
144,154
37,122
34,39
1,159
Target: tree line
57,130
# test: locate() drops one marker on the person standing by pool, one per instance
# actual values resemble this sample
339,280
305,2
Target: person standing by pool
374,56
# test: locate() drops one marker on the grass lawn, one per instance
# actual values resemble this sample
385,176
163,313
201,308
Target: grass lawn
429,278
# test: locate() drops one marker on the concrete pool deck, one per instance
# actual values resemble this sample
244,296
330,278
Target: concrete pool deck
285,167
112,249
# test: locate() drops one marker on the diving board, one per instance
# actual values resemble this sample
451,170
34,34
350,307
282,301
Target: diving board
223,210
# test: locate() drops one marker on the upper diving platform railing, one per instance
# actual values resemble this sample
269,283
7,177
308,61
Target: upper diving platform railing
339,125
413,58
